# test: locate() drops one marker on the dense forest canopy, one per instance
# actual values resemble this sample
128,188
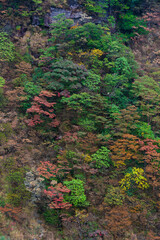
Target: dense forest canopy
79,119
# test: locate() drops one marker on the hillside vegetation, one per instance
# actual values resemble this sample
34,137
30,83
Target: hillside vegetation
79,120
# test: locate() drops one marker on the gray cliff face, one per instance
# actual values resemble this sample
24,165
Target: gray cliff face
77,15
57,11
74,12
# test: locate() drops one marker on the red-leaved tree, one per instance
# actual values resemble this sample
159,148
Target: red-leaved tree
151,155
42,110
55,194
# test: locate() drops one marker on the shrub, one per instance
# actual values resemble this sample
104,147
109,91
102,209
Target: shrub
64,74
80,177
41,111
134,179
60,27
87,124
51,217
122,67
5,132
131,25
31,90
92,82
101,158
84,37
17,193
114,196
70,155
37,2
14,199
144,130
9,164
6,48
87,103
2,202
2,82
77,196
55,194
113,85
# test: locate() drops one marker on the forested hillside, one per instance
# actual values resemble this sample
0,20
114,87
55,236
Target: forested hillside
79,120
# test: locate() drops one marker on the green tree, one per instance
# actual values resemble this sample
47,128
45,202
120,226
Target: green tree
147,91
101,158
92,82
144,130
77,196
64,74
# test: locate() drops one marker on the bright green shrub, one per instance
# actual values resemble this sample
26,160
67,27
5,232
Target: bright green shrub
122,67
101,158
2,82
144,130
114,109
84,37
77,196
113,83
37,1
114,196
32,90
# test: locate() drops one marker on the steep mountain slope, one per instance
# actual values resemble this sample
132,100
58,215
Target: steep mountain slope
79,121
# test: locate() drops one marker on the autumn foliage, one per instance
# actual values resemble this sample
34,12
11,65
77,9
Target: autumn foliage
150,149
125,151
12,212
56,195
42,110
80,119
